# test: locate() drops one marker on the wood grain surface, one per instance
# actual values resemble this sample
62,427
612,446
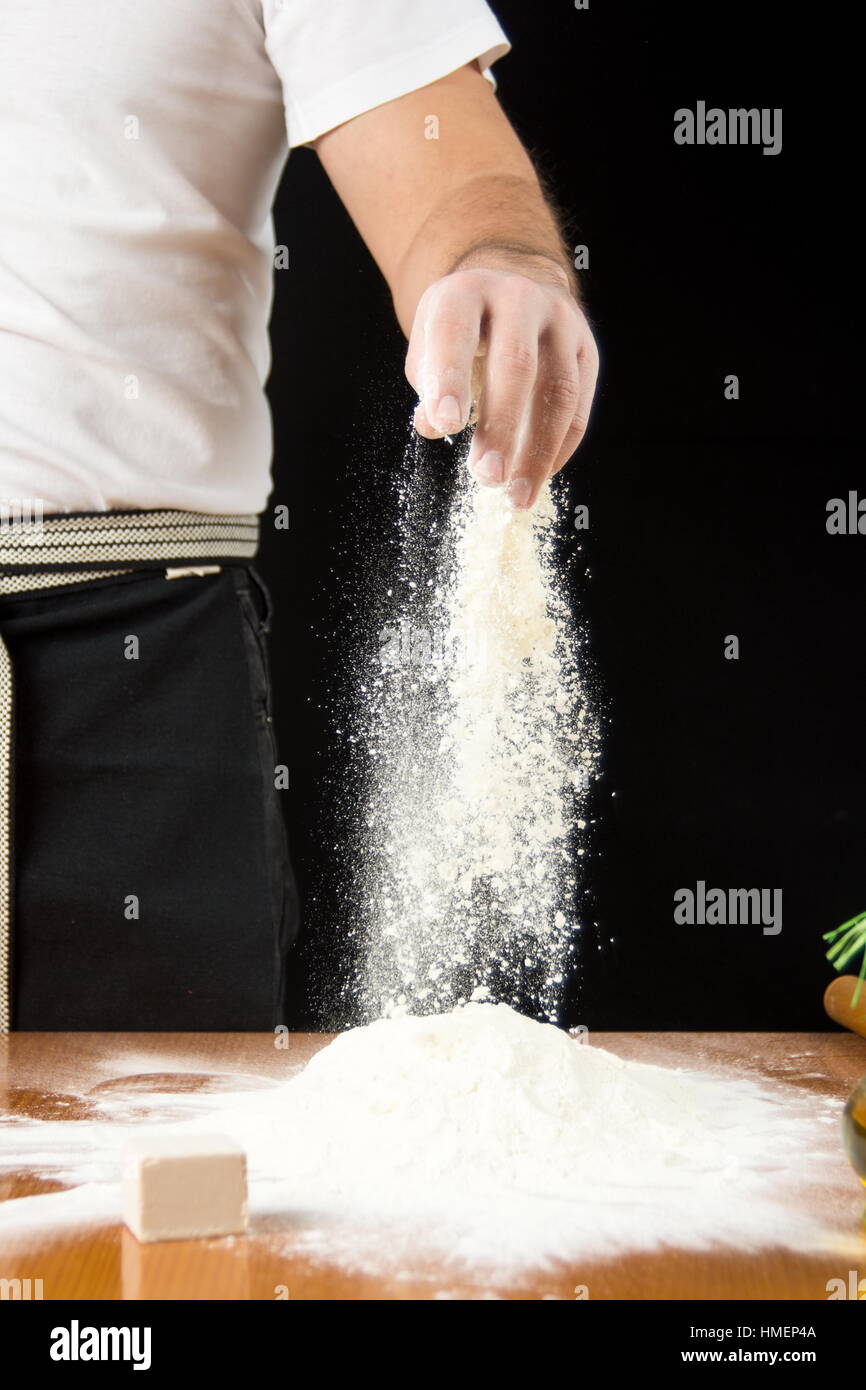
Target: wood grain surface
61,1076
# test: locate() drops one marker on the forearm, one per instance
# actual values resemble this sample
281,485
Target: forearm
469,196
496,221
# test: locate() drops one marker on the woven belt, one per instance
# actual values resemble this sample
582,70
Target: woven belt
72,548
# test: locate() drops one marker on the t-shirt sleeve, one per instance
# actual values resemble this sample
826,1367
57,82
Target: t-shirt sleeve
337,58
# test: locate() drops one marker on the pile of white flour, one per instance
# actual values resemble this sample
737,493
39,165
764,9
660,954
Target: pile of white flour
484,1137
478,746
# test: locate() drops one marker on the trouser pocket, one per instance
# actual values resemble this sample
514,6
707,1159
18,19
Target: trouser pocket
256,610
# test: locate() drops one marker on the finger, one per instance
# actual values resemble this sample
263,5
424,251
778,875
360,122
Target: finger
413,368
588,369
552,410
509,375
422,425
419,419
450,325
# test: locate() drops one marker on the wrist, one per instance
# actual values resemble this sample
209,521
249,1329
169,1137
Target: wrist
545,266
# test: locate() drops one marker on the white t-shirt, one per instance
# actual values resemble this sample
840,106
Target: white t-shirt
141,145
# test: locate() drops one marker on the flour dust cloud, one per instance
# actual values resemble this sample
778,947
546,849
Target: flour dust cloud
474,748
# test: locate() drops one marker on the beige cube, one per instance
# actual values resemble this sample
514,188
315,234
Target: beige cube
183,1186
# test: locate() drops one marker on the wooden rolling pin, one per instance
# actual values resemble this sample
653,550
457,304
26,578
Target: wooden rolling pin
838,1001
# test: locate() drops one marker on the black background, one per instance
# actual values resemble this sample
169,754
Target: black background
707,516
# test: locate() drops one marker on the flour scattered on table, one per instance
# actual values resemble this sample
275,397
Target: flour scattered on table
491,1140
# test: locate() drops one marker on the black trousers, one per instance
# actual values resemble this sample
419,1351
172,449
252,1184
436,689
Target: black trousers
152,884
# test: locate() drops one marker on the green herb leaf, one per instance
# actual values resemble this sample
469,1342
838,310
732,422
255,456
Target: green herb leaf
849,939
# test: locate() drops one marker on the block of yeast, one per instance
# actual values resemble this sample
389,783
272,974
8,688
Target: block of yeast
182,1186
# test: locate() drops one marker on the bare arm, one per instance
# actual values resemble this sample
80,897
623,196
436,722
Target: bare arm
475,262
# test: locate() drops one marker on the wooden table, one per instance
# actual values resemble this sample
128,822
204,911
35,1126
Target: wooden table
57,1075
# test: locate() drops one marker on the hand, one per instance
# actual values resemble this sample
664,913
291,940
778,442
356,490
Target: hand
538,371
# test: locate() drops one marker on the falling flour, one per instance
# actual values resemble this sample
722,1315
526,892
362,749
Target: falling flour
484,1138
477,747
